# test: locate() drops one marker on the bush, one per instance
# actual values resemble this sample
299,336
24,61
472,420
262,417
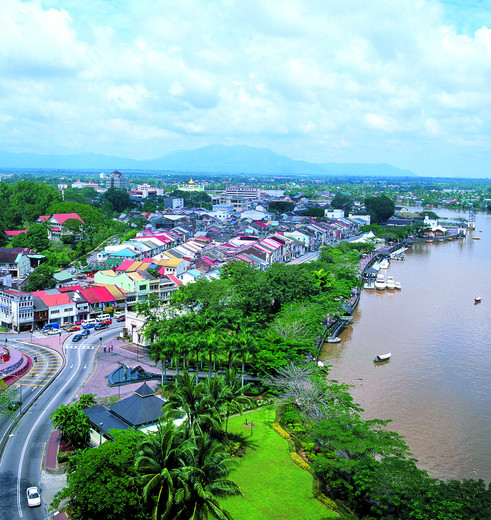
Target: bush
278,429
298,443
330,504
63,457
299,461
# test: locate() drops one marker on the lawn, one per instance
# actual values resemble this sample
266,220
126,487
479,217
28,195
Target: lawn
273,486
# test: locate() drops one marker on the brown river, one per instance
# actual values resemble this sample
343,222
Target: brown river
437,385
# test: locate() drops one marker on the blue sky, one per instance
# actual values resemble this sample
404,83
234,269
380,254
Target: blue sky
404,82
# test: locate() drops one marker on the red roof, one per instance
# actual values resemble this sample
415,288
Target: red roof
90,295
260,224
174,279
70,288
124,265
61,217
44,218
15,233
53,299
103,294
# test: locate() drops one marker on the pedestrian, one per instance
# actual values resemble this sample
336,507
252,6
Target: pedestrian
104,349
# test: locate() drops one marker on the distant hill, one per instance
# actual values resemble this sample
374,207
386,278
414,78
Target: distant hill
237,159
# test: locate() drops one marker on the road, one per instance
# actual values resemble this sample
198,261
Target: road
20,465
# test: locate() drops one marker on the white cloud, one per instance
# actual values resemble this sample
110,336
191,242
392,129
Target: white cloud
308,77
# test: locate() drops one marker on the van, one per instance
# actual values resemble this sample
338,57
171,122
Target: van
50,326
87,322
104,317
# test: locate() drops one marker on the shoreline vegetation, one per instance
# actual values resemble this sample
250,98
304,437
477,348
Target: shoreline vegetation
302,435
269,322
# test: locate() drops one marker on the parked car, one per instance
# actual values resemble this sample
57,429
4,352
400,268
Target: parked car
33,497
121,318
107,322
78,323
100,326
50,332
85,333
77,337
73,329
89,325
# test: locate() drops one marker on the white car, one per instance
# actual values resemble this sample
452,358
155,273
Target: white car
33,497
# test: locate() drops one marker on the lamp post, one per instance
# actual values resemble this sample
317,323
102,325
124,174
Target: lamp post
100,433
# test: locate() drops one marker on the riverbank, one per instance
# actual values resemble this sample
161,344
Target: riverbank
435,388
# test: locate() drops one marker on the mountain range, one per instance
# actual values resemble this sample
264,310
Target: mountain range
236,159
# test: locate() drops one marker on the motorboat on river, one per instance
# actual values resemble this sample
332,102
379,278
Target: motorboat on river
382,357
380,282
384,264
398,286
478,299
390,284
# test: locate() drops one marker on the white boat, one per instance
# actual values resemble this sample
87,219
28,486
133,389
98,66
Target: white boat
382,357
478,299
380,282
384,264
398,286
390,284
333,340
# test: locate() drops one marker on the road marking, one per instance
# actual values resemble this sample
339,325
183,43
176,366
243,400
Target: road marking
23,452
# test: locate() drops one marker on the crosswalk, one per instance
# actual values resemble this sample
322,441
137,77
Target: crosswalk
81,347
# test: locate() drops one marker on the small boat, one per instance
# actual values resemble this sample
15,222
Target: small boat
382,357
333,340
476,238
390,285
384,264
380,282
398,286
477,300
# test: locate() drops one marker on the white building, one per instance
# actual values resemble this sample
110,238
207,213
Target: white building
16,310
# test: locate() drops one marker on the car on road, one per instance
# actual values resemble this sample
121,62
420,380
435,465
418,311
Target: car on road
100,326
73,329
89,325
121,318
85,333
52,332
33,497
14,405
107,322
78,323
77,337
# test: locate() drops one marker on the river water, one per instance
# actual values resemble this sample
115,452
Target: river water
437,386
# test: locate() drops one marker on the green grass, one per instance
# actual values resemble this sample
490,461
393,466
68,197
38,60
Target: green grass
273,486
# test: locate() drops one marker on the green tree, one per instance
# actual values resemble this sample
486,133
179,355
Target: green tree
344,202
119,200
73,425
100,483
8,394
86,400
379,208
278,207
40,279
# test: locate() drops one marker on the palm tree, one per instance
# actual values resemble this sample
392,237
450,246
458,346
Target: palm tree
206,471
235,400
188,400
158,464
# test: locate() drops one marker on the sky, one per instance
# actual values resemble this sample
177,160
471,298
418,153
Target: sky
403,82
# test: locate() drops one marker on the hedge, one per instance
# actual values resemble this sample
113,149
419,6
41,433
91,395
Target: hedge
278,429
299,461
330,504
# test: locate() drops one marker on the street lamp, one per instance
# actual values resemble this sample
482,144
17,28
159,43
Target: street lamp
100,433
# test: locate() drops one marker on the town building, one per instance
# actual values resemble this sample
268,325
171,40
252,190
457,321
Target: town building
117,180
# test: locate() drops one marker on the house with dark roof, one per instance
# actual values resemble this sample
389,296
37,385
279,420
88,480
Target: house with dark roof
15,261
141,411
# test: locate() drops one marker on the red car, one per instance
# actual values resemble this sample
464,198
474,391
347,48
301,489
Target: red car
107,322
121,318
72,329
78,323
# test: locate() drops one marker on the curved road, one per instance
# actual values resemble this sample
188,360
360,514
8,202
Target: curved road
20,465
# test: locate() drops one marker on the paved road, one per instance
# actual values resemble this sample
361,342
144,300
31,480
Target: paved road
20,465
